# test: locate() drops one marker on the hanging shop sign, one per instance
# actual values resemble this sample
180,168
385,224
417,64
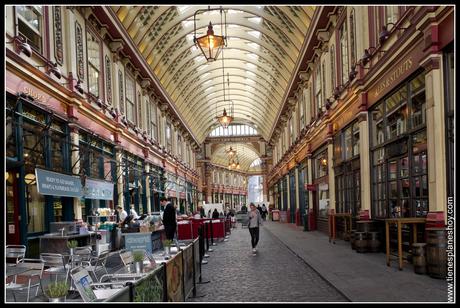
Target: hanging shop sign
97,189
57,184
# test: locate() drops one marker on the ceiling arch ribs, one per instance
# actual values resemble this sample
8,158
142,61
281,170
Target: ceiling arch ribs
193,68
151,17
203,128
183,56
130,16
272,28
246,112
246,155
190,72
236,78
205,96
218,95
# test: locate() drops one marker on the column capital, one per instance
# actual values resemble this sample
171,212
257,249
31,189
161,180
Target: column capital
431,62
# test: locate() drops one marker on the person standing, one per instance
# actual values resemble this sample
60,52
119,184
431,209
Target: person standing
215,214
133,212
254,222
264,212
169,218
122,215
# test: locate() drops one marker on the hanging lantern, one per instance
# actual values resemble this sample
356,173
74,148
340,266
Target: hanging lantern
225,119
210,44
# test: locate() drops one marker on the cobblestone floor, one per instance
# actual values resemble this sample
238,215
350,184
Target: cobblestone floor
275,274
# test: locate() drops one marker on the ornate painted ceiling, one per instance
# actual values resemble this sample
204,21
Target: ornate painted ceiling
263,45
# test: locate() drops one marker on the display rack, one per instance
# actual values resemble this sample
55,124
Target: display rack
94,220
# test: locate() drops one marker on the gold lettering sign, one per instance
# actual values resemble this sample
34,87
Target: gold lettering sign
395,75
35,95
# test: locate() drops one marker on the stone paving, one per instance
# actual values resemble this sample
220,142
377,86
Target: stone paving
296,266
275,274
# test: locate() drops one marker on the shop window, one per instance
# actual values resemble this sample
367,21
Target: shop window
318,94
138,118
94,63
179,147
391,14
378,131
30,25
332,68
356,139
352,37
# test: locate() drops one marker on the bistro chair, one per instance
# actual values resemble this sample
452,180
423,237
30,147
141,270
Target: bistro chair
55,265
97,264
14,253
93,292
81,255
30,278
126,257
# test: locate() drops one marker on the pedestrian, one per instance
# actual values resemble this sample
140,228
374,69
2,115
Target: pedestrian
169,218
254,222
215,214
133,212
122,215
264,212
209,214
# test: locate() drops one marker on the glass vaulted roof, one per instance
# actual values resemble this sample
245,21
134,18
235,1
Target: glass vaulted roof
263,45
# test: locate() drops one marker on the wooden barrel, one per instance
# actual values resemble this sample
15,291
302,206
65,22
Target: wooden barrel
361,241
418,259
352,239
373,243
436,254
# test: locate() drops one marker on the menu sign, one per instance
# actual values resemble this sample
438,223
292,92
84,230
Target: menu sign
57,184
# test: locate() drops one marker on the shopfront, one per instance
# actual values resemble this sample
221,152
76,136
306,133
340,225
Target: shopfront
303,196
35,137
134,192
292,196
448,66
155,182
98,165
321,192
399,157
347,170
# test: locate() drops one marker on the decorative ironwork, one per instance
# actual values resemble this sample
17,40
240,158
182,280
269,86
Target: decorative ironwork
58,44
109,80
80,60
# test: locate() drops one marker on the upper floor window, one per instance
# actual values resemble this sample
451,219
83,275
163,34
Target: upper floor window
168,136
391,14
121,94
94,63
302,113
139,110
153,130
179,146
30,24
233,130
344,52
352,37
333,69
318,95
257,162
130,99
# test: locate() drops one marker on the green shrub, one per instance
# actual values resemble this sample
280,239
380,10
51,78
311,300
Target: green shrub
57,289
72,244
138,256
167,243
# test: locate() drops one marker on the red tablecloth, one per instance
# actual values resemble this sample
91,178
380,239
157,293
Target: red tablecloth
184,231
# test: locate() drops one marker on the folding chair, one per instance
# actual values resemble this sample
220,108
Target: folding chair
93,292
14,253
31,278
55,265
97,264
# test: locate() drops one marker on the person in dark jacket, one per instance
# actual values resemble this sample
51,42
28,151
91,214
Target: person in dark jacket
169,218
215,214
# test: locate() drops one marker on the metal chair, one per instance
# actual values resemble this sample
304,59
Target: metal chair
81,255
55,265
30,278
89,291
126,257
14,253
96,264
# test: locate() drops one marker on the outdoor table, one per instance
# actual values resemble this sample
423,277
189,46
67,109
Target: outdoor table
399,222
332,222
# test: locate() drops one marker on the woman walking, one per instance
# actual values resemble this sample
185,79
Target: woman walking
254,222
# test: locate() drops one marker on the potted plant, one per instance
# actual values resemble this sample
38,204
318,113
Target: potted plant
138,257
57,291
167,246
71,245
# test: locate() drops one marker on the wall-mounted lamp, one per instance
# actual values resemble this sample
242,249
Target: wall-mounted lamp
323,161
352,74
384,34
337,91
79,88
52,68
21,45
368,53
